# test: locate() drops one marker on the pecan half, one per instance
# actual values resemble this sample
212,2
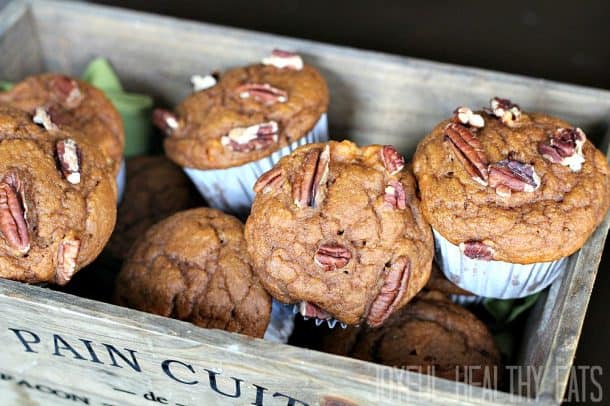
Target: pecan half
512,175
392,291
310,310
307,189
468,150
13,214
332,256
463,115
66,260
395,195
392,160
165,120
203,82
69,157
507,111
477,250
284,59
43,118
565,148
262,92
66,91
246,139
269,180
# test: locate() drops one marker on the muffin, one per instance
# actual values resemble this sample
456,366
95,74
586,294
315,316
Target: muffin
75,104
57,200
232,130
438,282
156,188
432,336
497,187
337,230
194,266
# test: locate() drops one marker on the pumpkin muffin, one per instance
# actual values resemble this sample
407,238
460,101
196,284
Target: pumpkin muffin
57,200
337,230
240,123
431,335
156,188
75,104
523,190
194,266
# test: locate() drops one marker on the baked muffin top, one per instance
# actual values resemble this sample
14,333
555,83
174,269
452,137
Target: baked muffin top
57,201
338,229
431,335
247,115
511,186
155,189
76,104
194,266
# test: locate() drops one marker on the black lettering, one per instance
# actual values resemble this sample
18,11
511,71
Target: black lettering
214,387
64,346
26,343
260,392
45,389
133,363
165,366
6,377
291,401
92,353
82,399
23,382
154,398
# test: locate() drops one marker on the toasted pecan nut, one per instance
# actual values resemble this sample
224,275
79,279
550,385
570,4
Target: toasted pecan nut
310,310
512,175
66,260
565,147
468,150
390,294
507,111
392,160
262,92
395,195
255,137
332,256
465,116
66,91
284,59
43,117
477,250
69,158
269,180
307,189
13,213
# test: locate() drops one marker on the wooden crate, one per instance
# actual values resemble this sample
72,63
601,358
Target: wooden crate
64,349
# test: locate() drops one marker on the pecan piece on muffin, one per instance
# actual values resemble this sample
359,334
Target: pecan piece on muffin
500,193
336,229
194,266
57,200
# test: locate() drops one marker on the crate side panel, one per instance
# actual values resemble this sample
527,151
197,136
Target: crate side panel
19,45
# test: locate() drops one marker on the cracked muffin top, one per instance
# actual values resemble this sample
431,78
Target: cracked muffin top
338,230
194,266
57,201
75,104
431,335
156,188
246,115
511,186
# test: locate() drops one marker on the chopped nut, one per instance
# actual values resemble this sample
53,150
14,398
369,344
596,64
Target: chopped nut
512,175
392,291
203,82
307,188
166,121
262,92
246,139
565,148
332,256
67,253
66,91
464,115
269,180
468,150
477,250
507,111
395,195
69,157
392,160
310,310
13,214
43,118
284,59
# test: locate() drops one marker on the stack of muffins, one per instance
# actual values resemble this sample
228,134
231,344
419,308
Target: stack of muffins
337,232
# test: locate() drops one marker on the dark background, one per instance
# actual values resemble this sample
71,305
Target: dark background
557,40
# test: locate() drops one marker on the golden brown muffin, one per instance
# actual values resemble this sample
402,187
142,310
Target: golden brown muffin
156,188
250,113
337,229
75,104
194,266
430,335
510,186
57,201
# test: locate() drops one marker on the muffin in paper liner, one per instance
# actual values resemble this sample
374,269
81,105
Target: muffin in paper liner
495,279
230,189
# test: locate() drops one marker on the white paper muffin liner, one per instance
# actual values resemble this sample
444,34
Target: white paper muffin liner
281,324
121,179
495,279
230,189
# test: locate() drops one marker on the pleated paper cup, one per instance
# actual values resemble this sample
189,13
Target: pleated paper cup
495,279
281,323
230,189
121,179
